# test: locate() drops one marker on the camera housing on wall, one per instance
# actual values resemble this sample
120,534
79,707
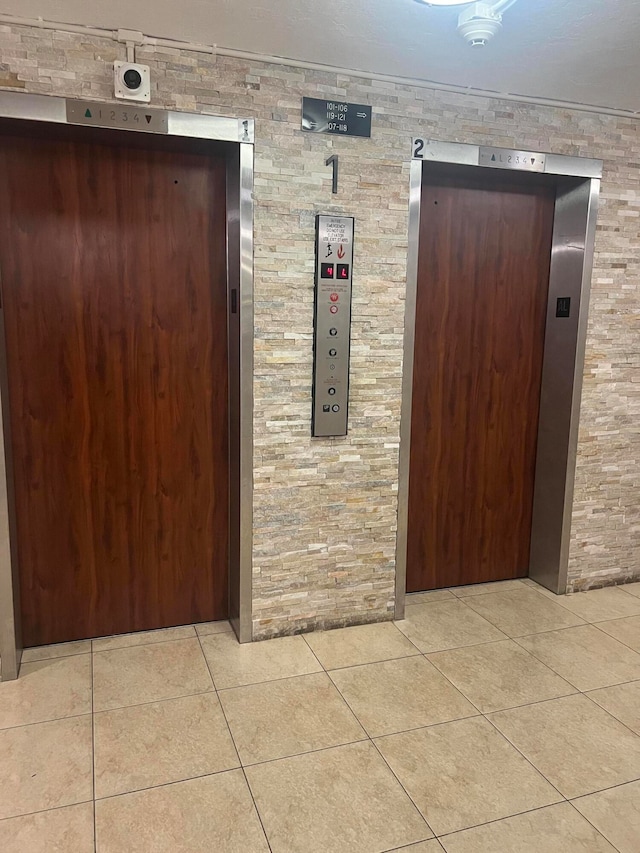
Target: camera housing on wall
132,81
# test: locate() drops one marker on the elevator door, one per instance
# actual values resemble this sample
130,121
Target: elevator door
483,275
114,294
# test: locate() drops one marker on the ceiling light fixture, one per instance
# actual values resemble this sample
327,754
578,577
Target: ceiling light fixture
479,21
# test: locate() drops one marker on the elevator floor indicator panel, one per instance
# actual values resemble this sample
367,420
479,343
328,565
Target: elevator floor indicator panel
332,325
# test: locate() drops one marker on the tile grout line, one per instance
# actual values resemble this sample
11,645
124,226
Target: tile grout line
610,686
268,681
595,828
579,693
464,695
45,811
402,633
54,658
44,722
413,728
573,627
306,752
517,814
485,823
215,690
373,662
584,622
550,631
613,717
565,678
146,788
92,651
596,622
468,646
466,599
603,790
526,651
309,646
370,740
501,819
383,660
241,766
484,716
611,637
575,692
407,847
93,761
347,706
143,645
571,595
154,701
528,760
488,591
402,786
548,665
491,624
486,618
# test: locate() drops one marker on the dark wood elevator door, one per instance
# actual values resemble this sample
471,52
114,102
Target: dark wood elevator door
114,290
483,277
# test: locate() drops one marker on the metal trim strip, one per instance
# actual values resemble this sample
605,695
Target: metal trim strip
463,154
415,197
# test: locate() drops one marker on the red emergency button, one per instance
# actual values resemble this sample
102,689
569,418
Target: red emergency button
334,297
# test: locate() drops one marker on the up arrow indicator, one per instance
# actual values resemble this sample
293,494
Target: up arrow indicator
87,114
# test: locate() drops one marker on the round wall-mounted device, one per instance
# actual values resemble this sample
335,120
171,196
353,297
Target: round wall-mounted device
132,81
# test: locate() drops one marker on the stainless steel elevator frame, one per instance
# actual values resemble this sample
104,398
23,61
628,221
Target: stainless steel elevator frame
577,182
238,137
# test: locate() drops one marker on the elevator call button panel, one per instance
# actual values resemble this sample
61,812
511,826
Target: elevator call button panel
332,325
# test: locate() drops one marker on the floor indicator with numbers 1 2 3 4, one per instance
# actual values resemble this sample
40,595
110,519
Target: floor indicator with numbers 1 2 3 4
332,325
121,116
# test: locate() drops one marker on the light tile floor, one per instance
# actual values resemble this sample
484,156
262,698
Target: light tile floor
493,719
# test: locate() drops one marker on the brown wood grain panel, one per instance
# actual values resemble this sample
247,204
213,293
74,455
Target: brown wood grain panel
114,288
484,257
